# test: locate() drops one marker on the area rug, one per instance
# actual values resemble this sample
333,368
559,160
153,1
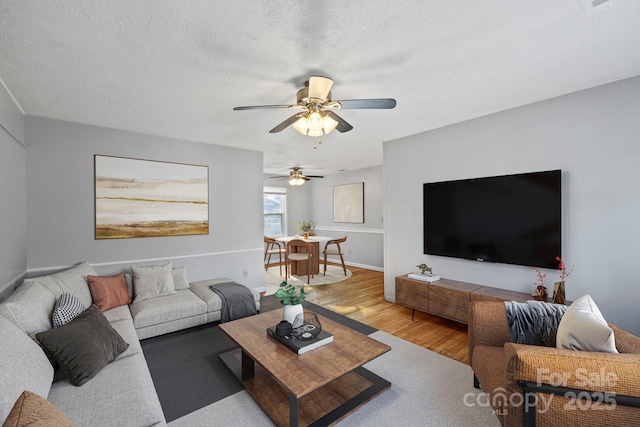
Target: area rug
427,389
187,372
272,278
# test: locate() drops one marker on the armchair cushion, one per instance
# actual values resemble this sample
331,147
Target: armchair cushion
583,328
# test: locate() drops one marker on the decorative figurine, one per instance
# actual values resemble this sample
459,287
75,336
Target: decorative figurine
424,267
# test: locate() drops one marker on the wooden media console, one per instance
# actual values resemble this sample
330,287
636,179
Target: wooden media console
449,298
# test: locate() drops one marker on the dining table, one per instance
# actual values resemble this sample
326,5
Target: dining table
299,268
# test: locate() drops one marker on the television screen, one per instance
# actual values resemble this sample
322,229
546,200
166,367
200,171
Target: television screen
511,219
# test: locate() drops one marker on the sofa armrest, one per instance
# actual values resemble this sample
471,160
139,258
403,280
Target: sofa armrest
487,325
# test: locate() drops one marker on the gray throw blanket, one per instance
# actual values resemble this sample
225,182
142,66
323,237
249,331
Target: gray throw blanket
532,322
237,301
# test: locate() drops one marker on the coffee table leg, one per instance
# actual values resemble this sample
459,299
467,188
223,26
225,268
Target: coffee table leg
293,411
248,367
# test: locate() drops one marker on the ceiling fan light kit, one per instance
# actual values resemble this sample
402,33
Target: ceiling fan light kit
296,181
318,116
315,124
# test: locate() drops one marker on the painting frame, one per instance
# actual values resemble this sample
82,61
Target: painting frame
149,198
348,203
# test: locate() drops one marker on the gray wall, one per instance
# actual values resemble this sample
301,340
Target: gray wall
592,135
60,190
13,193
363,247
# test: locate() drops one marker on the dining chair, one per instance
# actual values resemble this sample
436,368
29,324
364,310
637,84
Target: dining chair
334,251
299,250
273,247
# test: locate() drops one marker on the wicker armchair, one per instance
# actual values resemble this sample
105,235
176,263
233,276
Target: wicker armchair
545,386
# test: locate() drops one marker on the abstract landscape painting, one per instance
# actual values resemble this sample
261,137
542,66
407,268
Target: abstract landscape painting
348,202
146,198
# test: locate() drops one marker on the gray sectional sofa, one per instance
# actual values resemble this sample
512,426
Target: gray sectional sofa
122,393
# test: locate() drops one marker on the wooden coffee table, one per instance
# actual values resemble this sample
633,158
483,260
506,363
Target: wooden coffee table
317,388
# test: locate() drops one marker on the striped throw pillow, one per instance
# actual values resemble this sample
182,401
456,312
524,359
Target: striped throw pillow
67,308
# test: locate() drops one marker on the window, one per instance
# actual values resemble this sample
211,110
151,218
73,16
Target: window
274,211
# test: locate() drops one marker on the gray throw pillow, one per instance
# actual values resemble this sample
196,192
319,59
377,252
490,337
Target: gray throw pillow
153,281
67,308
83,346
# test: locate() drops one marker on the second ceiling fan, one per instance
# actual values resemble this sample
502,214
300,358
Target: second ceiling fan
296,177
317,116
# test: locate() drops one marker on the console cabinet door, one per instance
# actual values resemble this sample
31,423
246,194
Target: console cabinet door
412,293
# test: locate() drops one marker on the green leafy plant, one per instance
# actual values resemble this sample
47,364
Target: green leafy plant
305,226
289,295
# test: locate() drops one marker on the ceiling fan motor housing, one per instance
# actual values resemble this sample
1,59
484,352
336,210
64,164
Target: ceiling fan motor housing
303,98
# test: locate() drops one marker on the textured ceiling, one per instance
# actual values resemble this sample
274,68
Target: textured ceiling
176,68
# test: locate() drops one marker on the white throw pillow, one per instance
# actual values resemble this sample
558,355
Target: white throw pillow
151,282
29,307
583,328
180,280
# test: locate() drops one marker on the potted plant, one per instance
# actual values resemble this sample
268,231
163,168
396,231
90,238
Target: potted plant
306,228
292,299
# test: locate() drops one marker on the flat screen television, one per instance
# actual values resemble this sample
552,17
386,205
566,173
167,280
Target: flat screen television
511,219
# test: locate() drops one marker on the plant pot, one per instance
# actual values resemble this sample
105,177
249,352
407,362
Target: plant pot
290,312
558,293
306,235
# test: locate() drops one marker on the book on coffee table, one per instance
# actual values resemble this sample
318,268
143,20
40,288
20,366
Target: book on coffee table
301,346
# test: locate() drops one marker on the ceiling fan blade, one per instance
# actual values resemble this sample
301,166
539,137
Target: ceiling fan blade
319,87
342,126
314,176
380,103
282,126
263,107
280,176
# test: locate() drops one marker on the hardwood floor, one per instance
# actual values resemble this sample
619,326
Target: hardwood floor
361,297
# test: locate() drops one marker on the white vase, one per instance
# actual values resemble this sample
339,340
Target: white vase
290,313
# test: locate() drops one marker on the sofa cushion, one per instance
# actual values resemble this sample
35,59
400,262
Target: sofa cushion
74,281
182,304
583,328
201,288
33,410
83,346
121,395
109,291
29,307
23,366
67,308
151,282
118,313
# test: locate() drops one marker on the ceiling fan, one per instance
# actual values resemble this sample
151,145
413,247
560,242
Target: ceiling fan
317,116
296,177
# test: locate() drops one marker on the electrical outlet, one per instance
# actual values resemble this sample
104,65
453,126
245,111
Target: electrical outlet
350,252
245,273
